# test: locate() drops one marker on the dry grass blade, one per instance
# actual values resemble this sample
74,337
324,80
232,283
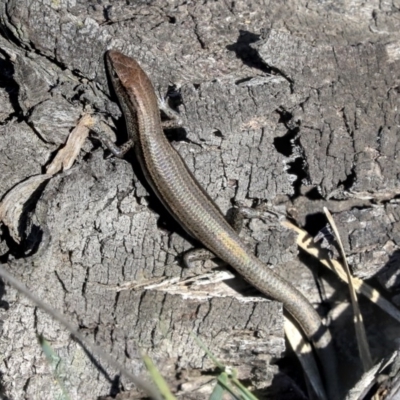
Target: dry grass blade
305,355
305,241
362,341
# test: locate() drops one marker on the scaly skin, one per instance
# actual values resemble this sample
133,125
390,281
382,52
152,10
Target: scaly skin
190,205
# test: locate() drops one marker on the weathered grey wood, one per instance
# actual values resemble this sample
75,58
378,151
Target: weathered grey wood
275,97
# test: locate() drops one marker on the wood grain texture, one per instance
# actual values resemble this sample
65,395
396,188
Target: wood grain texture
290,100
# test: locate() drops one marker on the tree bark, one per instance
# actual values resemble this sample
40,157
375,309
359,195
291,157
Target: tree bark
294,103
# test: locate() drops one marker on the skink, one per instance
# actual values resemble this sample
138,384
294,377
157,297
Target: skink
190,205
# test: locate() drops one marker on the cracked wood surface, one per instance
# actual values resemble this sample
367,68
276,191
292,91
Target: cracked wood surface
293,102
